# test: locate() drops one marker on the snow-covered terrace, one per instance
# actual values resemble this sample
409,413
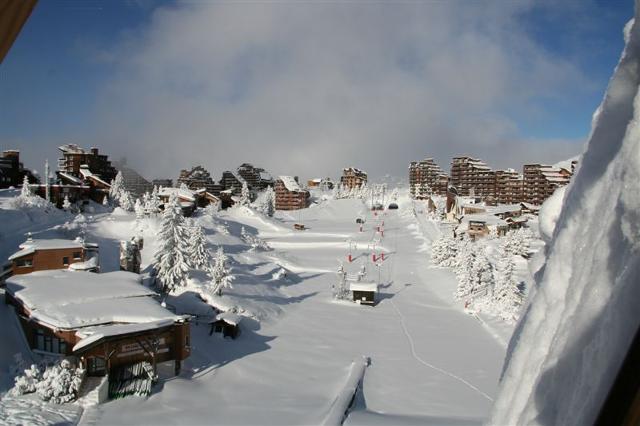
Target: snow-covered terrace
73,299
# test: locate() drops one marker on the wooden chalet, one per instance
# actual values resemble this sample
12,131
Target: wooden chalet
107,321
226,323
289,195
40,255
364,292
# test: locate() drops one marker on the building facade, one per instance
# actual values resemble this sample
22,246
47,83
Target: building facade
73,157
540,181
289,195
257,178
352,177
426,178
197,178
472,177
508,186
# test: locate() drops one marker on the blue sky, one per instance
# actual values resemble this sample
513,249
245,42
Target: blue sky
93,72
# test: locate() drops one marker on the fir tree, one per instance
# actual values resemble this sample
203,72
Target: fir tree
222,277
170,261
137,207
245,195
117,186
507,297
199,256
66,205
26,188
269,201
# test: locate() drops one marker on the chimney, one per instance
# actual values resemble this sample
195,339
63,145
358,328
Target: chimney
94,151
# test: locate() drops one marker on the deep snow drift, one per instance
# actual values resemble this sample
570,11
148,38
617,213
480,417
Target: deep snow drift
584,313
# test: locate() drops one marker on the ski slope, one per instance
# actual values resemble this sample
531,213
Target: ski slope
429,360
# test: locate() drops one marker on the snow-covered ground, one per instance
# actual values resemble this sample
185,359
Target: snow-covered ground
430,361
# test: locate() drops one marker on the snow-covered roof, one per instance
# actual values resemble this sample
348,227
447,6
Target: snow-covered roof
530,206
95,334
504,208
73,299
265,176
363,286
85,266
185,194
489,219
30,246
71,148
70,178
290,183
229,318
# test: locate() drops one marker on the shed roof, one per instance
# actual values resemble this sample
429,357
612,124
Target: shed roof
363,286
229,318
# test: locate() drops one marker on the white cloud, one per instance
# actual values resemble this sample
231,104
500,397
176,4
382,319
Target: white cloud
307,88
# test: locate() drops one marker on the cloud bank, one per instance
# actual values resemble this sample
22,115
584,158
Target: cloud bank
307,88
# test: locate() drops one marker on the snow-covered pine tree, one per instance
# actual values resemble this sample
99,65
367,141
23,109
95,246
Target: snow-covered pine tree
443,251
245,195
507,297
465,257
66,204
126,201
269,201
25,192
221,274
153,206
199,256
137,207
170,261
482,275
117,186
340,289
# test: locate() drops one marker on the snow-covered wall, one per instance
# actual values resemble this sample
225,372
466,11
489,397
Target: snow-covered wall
583,314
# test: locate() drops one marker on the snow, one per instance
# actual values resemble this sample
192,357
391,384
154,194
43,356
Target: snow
184,194
95,334
295,353
290,183
72,299
363,286
582,316
229,318
84,266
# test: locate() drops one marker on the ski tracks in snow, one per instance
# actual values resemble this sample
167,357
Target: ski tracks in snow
427,364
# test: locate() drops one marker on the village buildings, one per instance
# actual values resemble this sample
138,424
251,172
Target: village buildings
257,178
12,172
540,181
353,178
74,157
197,178
426,178
473,178
289,194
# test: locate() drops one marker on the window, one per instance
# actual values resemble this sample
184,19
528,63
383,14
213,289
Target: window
24,263
77,255
65,260
49,343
